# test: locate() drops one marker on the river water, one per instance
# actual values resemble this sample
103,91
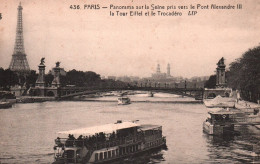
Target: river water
27,131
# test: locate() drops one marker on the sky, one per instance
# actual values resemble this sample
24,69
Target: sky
92,40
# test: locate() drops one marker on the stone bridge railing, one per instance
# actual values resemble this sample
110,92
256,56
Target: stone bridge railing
76,91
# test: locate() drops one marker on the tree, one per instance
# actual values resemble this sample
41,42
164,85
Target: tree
48,79
8,78
75,77
211,83
2,77
63,80
92,79
80,78
31,78
244,74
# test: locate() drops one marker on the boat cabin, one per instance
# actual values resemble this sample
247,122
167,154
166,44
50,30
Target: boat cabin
148,129
222,116
74,143
101,143
220,121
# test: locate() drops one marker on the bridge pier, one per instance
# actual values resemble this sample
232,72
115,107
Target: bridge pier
211,93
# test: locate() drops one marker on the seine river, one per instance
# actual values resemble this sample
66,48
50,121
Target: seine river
27,131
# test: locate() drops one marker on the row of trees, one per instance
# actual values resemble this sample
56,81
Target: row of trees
211,82
84,79
80,78
10,78
89,79
244,75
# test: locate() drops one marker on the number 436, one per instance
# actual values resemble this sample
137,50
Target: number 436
74,7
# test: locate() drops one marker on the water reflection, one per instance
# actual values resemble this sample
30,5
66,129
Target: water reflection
151,156
234,148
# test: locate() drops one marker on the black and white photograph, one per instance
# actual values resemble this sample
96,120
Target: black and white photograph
129,81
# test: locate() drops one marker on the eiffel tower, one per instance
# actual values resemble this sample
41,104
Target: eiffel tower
19,61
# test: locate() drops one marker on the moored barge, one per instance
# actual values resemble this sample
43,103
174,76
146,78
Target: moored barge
108,142
220,122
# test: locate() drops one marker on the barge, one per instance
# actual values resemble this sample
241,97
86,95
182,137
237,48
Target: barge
220,122
105,143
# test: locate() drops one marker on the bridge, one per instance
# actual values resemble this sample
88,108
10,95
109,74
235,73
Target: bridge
68,92
55,89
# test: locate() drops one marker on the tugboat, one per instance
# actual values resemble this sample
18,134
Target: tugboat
5,105
220,122
107,143
123,100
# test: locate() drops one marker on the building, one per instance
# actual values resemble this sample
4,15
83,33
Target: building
128,79
168,70
158,75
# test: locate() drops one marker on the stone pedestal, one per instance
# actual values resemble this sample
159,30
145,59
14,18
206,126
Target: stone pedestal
40,82
220,73
56,79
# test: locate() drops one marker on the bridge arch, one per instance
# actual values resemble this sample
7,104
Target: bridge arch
212,95
50,94
35,92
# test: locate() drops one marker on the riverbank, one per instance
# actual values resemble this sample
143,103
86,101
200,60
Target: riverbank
30,99
143,98
143,101
134,99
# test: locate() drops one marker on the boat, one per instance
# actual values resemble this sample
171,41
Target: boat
5,105
123,100
221,121
106,143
